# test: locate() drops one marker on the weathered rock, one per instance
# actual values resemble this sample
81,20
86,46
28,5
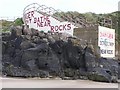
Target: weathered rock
11,51
6,36
16,31
4,47
119,70
39,54
12,71
90,61
27,56
27,37
112,66
31,65
74,55
18,42
100,74
27,31
49,61
34,32
38,40
26,44
41,35
74,74
69,54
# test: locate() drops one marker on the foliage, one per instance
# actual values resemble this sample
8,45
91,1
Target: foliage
91,17
18,22
6,25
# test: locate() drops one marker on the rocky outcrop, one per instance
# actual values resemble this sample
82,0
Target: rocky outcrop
30,53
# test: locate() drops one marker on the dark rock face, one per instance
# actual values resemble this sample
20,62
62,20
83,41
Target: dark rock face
119,70
99,74
29,53
91,61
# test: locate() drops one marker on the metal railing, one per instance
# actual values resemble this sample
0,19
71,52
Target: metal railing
47,10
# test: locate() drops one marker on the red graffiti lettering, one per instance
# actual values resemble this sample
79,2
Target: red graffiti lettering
69,26
28,16
42,21
61,27
56,28
52,28
35,20
108,35
64,27
32,13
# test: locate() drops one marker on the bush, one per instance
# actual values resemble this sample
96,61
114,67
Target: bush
18,22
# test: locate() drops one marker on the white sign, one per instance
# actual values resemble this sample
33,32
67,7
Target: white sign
106,42
47,23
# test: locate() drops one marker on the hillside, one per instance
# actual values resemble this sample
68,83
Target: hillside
82,19
89,19
110,20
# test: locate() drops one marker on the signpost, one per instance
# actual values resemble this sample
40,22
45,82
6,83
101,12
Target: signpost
106,42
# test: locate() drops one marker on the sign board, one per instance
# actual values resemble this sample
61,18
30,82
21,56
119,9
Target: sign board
106,42
47,23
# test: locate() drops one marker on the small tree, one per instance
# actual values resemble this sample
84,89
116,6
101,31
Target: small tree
18,22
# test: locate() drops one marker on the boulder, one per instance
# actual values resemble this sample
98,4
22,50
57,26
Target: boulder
18,42
74,56
4,47
70,55
31,65
12,71
27,31
16,31
26,45
49,61
90,61
111,65
27,56
34,32
100,74
72,73
119,70
27,37
5,36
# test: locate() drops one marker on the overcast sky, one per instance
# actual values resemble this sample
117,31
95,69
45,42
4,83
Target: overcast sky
11,8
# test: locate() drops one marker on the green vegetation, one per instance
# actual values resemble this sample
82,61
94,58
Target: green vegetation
7,24
18,22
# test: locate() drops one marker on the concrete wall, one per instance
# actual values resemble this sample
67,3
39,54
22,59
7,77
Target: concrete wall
91,36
